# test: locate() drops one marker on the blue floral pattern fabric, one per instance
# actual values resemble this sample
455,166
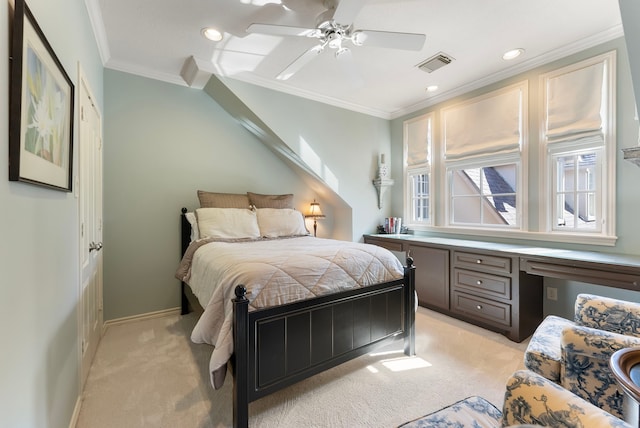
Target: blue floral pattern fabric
530,400
543,354
581,350
585,365
475,412
603,313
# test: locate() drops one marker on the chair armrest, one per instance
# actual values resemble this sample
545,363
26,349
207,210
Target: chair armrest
604,313
585,365
532,399
594,343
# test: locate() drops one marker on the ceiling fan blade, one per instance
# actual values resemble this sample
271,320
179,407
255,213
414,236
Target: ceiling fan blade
300,62
283,30
387,39
347,10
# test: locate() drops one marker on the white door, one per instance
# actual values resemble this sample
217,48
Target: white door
90,207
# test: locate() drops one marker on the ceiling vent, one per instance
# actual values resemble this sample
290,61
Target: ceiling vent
435,62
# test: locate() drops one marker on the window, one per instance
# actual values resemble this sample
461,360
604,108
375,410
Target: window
579,148
576,205
418,136
484,196
419,192
483,140
478,181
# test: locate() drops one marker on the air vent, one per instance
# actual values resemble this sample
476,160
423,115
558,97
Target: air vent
435,62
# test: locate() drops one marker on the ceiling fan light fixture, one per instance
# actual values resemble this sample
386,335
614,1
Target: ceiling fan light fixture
358,38
335,41
512,54
212,34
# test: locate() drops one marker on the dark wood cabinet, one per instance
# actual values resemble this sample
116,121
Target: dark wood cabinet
483,287
499,286
489,288
432,275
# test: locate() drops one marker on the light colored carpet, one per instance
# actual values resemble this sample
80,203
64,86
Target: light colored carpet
149,374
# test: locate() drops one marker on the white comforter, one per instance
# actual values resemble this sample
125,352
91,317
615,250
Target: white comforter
275,272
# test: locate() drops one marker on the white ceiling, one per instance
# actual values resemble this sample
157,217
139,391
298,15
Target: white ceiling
153,38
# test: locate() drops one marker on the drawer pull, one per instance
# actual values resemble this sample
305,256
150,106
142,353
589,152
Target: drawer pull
479,307
479,261
478,282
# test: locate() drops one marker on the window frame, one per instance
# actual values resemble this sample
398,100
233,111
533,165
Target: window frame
411,171
486,162
605,148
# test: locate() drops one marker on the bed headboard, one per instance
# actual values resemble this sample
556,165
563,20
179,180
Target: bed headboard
185,232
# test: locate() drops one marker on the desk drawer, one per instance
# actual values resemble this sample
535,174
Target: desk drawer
482,284
482,262
481,309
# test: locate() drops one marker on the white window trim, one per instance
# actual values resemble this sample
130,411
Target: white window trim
607,234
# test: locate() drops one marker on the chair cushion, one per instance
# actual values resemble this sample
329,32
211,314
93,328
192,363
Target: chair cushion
543,354
471,412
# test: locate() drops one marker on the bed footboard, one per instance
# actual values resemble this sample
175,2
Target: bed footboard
277,347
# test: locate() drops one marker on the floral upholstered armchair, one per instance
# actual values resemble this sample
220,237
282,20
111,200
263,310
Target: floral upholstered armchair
529,399
576,353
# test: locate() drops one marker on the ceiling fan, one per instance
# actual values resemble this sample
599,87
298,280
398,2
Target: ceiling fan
335,30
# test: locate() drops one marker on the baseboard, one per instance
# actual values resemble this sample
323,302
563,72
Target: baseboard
76,412
141,317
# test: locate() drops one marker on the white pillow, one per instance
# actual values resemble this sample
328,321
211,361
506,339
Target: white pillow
277,222
227,223
191,218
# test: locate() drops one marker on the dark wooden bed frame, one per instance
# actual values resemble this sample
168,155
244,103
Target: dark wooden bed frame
279,346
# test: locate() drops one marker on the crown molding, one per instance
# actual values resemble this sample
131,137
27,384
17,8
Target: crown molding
100,33
562,52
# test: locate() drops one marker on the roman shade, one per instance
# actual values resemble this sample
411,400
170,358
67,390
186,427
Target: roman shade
574,103
418,138
486,125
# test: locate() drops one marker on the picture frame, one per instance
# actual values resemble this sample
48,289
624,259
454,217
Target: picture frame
41,103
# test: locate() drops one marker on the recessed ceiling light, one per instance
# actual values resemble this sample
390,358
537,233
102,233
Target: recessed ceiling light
432,88
512,54
212,34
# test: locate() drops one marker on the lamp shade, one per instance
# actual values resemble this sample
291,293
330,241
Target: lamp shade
314,211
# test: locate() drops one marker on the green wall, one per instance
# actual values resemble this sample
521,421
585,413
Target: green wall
39,252
627,174
164,142
341,145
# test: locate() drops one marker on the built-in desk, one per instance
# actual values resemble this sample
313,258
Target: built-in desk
499,286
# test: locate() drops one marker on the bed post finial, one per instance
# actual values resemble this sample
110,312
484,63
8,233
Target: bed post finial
184,210
241,292
409,259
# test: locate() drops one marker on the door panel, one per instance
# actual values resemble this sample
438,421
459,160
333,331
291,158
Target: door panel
90,213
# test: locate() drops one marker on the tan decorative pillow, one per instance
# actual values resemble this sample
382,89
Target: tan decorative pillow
227,223
278,222
223,200
271,201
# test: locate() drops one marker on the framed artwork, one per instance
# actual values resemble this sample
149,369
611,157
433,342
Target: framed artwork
41,108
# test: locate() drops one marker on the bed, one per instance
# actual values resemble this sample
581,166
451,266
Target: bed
273,345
